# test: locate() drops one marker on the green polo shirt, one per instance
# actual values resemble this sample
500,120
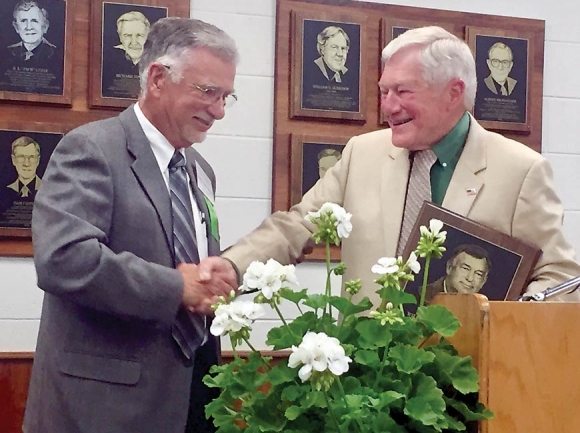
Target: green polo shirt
448,152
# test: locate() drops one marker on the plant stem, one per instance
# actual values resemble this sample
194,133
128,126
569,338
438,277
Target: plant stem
328,270
360,427
247,341
380,373
330,413
425,276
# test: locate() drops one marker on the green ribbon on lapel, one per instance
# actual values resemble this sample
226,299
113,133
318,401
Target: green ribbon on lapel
213,220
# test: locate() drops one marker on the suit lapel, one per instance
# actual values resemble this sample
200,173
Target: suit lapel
465,185
394,177
147,171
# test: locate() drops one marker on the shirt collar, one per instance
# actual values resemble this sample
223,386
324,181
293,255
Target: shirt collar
162,149
451,145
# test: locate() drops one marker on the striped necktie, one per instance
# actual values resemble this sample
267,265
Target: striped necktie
418,190
189,330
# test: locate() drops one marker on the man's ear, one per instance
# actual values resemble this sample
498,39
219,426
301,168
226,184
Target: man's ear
157,76
449,266
456,90
15,26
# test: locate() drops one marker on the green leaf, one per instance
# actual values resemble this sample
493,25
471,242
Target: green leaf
456,371
281,373
316,301
476,412
370,358
293,412
409,359
347,308
372,334
293,296
395,295
427,404
438,319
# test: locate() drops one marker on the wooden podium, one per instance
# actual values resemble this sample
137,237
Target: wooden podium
528,356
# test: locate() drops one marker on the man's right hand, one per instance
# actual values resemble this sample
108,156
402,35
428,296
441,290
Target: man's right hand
202,288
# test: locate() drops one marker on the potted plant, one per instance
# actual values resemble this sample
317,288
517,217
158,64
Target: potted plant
352,368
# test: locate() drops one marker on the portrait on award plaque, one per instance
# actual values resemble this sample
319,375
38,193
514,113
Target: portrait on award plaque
327,68
125,29
502,65
310,159
24,156
32,47
477,259
123,32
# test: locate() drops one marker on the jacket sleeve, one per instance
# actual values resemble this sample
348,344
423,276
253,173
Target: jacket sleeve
283,235
538,217
72,218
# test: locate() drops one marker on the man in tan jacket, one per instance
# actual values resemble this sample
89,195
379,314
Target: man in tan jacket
427,87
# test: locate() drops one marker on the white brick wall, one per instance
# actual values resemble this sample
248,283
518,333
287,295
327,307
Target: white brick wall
240,146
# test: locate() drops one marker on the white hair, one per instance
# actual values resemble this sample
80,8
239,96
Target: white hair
443,56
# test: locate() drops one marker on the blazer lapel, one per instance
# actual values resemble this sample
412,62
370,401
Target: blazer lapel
465,185
394,177
147,171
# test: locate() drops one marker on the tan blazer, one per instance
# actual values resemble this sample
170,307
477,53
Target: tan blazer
514,194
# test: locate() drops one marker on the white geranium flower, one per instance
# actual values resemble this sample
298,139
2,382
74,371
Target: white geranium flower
234,317
318,352
385,265
340,216
434,230
413,264
268,278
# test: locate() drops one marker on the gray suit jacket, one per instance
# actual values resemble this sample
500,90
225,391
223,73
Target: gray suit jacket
102,234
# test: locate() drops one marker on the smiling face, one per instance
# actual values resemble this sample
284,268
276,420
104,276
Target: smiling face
334,52
132,35
466,274
30,26
182,112
419,113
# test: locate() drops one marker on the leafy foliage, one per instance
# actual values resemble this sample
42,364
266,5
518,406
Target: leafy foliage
401,379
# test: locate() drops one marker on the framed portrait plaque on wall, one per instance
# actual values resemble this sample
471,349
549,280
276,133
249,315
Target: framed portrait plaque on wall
327,78
311,157
36,51
24,155
119,33
502,60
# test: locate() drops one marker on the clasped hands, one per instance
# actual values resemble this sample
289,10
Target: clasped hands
205,282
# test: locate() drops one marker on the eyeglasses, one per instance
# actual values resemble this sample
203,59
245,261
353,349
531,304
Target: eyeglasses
212,94
504,63
30,159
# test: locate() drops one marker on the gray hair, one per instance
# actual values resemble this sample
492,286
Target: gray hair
444,57
132,16
23,142
26,5
170,38
500,46
328,33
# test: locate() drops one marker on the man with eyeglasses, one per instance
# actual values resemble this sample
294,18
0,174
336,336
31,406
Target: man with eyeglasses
332,45
500,63
25,159
124,215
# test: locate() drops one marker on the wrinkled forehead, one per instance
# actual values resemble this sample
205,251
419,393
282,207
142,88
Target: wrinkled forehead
31,13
